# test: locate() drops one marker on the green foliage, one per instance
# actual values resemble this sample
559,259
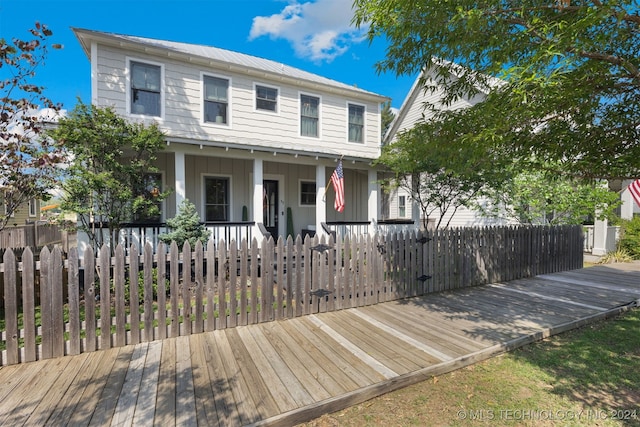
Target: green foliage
441,172
630,237
112,159
569,89
185,226
619,255
538,198
29,162
386,117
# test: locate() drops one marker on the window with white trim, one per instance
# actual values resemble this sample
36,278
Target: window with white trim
309,115
402,206
307,193
266,98
145,89
217,198
216,99
356,123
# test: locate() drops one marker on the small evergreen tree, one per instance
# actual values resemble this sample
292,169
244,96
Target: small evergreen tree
185,226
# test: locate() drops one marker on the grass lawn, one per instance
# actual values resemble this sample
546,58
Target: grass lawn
585,377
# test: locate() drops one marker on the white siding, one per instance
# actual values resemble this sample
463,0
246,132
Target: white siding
248,126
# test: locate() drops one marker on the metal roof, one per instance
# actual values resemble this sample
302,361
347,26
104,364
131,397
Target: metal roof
222,56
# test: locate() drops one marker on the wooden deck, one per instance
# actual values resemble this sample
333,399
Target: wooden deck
290,371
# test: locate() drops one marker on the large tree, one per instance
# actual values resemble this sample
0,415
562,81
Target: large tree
109,180
571,72
28,161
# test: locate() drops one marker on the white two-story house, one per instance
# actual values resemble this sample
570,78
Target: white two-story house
249,140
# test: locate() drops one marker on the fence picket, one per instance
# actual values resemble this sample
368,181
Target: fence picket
91,340
11,308
148,298
29,301
120,297
134,300
105,297
162,291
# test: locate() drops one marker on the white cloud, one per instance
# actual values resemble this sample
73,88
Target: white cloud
319,30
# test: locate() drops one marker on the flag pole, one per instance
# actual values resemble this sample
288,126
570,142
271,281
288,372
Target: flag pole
326,187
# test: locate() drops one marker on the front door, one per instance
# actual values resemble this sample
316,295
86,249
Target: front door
270,202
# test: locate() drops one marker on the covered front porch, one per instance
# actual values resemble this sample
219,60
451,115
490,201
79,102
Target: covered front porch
285,192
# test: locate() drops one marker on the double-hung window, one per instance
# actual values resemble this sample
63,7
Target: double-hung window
216,198
216,100
356,123
266,98
145,89
307,193
402,206
309,115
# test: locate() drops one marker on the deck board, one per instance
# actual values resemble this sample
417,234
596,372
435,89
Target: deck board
288,371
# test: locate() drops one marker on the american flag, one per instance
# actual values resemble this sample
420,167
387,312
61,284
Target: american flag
337,179
634,189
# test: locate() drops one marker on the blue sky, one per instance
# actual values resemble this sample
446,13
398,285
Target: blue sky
315,36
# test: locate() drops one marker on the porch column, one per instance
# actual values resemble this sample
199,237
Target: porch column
600,229
628,204
372,201
321,199
180,186
258,195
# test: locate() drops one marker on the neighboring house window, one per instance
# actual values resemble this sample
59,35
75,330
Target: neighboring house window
309,115
216,100
216,198
402,206
356,123
150,189
266,98
307,193
145,89
32,207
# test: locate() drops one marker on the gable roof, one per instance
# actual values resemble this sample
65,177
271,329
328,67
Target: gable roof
417,94
209,55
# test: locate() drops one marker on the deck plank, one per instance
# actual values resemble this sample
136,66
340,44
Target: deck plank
185,393
205,402
165,413
126,406
146,404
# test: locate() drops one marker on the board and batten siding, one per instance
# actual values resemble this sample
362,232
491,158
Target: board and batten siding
182,117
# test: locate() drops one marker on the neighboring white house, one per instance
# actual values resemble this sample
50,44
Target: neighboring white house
243,134
412,111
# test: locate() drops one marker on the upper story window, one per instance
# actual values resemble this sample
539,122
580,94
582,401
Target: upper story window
356,123
309,115
216,100
266,98
145,89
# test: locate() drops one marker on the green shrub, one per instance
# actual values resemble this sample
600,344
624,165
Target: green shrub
630,237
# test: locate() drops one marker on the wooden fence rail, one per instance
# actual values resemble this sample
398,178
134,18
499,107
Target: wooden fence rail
103,301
